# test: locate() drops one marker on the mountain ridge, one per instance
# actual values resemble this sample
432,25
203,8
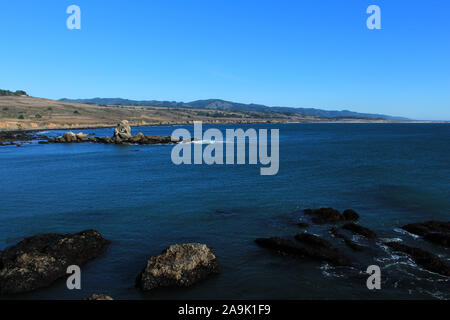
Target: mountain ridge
219,104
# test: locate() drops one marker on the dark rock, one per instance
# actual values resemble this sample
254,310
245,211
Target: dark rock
312,240
43,142
356,228
353,245
283,246
422,228
437,232
311,247
324,215
12,137
423,258
180,265
350,215
442,239
38,261
303,225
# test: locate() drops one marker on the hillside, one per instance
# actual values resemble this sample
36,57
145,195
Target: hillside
24,112
217,104
20,111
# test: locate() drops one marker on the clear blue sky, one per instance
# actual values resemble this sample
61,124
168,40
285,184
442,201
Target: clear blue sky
279,53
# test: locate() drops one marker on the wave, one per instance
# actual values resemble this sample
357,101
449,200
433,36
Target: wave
401,231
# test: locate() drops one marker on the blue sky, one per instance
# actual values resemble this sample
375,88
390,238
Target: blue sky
279,53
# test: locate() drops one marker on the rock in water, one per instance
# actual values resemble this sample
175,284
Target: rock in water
70,137
123,130
434,231
312,247
38,261
348,242
423,258
180,265
330,215
422,228
356,228
324,215
137,138
439,238
350,215
302,225
100,297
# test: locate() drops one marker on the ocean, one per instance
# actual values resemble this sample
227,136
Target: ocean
391,174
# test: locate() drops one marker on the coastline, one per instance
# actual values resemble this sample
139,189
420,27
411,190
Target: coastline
318,121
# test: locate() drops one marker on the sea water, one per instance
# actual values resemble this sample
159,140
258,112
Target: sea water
391,174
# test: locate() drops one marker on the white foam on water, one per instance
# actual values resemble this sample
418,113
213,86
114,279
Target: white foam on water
398,230
391,239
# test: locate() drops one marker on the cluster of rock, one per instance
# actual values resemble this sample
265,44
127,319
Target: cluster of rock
40,260
17,138
314,247
122,135
330,215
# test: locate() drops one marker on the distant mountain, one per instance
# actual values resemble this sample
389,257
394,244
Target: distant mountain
217,104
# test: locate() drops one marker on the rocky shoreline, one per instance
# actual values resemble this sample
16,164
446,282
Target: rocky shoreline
38,261
121,135
309,246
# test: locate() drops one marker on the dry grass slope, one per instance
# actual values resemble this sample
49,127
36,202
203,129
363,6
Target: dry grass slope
30,113
36,113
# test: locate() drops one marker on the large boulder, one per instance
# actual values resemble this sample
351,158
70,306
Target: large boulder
38,261
180,265
123,130
70,137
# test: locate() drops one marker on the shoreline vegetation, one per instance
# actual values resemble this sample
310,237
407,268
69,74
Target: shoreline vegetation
20,112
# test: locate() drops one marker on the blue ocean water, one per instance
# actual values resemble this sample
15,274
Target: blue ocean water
391,174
